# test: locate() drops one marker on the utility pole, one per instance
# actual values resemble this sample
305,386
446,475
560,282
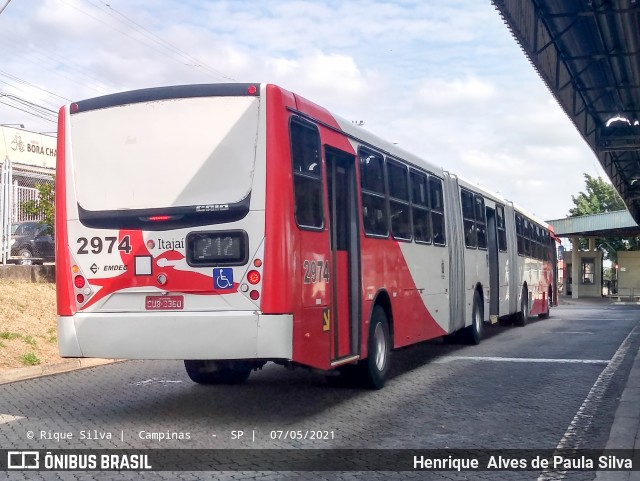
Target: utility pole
4,6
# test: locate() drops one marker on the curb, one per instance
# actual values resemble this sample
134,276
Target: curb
625,429
24,373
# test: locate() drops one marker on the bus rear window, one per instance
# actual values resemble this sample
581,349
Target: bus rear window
171,153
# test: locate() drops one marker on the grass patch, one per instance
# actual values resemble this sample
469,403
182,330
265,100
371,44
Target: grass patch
30,359
28,323
2,344
9,335
53,335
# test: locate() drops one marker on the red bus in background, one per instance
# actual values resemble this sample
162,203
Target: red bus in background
229,225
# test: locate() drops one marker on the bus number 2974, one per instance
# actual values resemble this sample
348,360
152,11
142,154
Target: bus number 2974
315,271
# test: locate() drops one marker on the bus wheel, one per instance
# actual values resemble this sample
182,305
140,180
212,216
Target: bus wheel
473,334
522,317
217,372
373,370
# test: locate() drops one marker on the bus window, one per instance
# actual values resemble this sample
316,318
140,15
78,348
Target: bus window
527,238
374,205
420,207
538,242
468,214
399,201
307,175
520,233
481,223
437,211
502,233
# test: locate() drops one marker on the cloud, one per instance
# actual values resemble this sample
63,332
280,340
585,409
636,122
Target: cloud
441,93
444,78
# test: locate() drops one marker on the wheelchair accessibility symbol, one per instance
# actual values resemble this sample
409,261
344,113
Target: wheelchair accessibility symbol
223,278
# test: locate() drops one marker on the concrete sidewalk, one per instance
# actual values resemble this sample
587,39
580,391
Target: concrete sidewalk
23,373
625,430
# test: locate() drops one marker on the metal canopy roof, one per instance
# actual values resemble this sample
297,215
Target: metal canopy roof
588,54
607,224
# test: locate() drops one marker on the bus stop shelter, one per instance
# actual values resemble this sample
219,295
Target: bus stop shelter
585,274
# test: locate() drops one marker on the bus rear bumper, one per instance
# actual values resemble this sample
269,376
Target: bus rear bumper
168,335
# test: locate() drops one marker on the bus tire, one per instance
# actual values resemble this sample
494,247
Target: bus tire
522,317
473,334
372,371
217,372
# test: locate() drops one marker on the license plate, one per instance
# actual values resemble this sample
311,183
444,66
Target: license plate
164,303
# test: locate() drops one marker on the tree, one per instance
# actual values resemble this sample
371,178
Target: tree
600,196
44,206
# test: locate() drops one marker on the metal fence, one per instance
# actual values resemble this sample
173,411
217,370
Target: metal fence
18,185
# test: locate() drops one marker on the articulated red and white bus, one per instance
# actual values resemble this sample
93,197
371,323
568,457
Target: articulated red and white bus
229,225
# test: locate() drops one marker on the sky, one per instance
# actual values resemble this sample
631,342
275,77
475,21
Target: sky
443,78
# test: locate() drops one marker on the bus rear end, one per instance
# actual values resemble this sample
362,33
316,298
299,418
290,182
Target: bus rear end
160,229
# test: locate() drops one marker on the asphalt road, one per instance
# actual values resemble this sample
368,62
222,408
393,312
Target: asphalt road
554,383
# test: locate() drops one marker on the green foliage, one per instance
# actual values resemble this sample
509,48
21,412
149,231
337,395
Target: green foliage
599,197
30,359
9,335
53,338
30,340
44,206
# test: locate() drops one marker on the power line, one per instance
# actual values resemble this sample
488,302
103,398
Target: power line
35,114
134,31
159,40
25,82
4,6
127,34
34,57
28,103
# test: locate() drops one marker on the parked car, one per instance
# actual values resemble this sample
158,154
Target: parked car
32,243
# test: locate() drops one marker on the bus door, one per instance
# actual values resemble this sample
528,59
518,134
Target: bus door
344,244
494,265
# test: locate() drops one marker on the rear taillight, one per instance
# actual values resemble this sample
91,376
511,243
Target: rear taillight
253,277
251,284
82,289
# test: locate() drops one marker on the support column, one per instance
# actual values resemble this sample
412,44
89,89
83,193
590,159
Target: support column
575,267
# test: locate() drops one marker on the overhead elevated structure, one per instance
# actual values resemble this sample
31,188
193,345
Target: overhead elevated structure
584,268
607,224
588,54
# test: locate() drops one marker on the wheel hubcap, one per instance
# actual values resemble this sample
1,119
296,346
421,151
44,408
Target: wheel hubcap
381,347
